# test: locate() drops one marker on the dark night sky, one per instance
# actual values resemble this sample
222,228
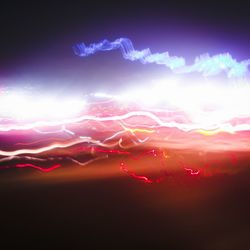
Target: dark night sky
36,40
26,27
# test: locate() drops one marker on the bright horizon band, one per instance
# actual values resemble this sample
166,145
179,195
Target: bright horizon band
168,114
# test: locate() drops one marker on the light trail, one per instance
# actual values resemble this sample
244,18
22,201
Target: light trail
164,115
205,64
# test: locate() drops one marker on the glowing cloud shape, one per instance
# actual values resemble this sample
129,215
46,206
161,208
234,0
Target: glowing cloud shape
205,64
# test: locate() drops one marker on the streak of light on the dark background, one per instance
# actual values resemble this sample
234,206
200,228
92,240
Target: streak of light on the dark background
35,48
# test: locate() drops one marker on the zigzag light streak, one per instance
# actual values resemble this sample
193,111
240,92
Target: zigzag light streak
184,127
205,64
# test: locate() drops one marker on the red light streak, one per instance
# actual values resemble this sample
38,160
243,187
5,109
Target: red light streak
192,171
46,170
142,178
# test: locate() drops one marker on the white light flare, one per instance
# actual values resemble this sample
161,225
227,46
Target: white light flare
23,107
205,103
